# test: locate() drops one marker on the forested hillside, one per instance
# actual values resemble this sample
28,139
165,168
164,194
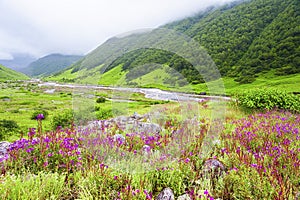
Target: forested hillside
250,37
244,39
50,64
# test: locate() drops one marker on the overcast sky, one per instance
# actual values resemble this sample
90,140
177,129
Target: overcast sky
41,27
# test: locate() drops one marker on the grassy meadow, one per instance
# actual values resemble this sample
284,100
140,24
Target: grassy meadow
259,148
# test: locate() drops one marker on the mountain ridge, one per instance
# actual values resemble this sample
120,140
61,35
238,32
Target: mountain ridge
9,74
50,64
233,35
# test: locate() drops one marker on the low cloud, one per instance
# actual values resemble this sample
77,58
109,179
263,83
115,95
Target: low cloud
76,27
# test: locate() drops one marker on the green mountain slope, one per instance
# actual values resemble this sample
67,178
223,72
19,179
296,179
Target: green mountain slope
50,64
9,74
245,39
250,37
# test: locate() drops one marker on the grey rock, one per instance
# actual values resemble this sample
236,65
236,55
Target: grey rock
136,116
213,167
184,197
135,123
166,194
3,149
146,149
149,127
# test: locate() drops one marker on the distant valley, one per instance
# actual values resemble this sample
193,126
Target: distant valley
253,42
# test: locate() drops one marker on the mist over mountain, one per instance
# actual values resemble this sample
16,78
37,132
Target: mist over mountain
19,61
244,39
50,64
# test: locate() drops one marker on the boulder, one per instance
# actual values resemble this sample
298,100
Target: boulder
148,127
213,167
135,122
136,116
166,194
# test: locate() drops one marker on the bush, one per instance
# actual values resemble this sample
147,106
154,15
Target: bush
40,186
101,100
64,119
35,113
104,113
7,127
268,99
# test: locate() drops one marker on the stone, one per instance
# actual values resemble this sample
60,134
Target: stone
136,116
213,167
3,149
146,149
166,194
149,127
120,138
184,197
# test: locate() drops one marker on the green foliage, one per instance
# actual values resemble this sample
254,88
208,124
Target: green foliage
7,128
242,35
101,100
104,113
29,186
9,74
241,38
268,99
174,178
39,111
246,183
64,119
141,57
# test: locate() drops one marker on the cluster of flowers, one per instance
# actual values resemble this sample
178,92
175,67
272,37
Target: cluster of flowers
53,151
270,144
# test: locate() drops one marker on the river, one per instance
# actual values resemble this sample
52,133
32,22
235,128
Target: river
151,93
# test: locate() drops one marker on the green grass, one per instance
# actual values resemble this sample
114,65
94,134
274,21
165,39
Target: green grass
113,77
9,74
65,76
157,76
288,83
18,102
23,102
157,79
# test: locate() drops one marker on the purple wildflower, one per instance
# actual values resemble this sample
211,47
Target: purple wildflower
31,132
29,150
206,192
40,117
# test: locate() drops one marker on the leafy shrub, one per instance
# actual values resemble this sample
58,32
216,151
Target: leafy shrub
104,113
268,99
35,114
29,186
5,98
101,100
7,127
64,119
